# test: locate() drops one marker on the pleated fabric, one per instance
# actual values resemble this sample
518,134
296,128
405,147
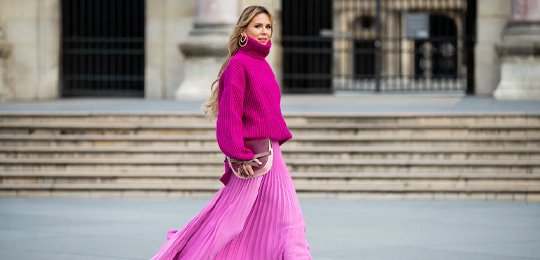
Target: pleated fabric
255,219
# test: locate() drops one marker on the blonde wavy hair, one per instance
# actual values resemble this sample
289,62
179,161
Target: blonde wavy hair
211,106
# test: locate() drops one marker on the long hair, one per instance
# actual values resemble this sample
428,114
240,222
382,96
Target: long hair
211,106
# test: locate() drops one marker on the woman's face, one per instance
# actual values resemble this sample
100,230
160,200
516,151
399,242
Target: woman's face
260,28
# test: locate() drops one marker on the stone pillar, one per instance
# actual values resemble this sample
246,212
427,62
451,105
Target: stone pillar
519,52
391,68
492,16
4,50
206,47
525,10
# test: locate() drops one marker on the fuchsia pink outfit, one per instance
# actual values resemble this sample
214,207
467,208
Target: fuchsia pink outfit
254,219
249,103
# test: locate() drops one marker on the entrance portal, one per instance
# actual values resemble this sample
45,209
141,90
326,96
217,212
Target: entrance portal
102,49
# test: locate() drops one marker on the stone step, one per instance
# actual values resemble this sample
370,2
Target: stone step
43,176
85,117
428,156
415,118
296,129
299,185
329,179
297,140
165,182
381,185
296,165
182,125
186,117
365,195
326,153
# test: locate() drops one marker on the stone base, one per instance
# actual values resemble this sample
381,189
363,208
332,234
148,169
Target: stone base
199,74
520,62
205,52
520,79
516,91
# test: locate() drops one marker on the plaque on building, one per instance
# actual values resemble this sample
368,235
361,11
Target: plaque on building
417,26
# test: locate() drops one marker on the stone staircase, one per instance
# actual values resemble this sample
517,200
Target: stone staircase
401,156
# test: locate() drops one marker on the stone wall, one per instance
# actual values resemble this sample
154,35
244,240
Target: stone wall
167,23
30,43
31,30
30,35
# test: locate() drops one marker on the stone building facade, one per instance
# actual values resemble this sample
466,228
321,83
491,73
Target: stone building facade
412,51
185,43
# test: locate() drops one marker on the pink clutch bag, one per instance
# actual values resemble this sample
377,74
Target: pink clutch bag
262,148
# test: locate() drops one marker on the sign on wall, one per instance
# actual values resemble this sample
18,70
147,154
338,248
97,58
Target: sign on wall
417,25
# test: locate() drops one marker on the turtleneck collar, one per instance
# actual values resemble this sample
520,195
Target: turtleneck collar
256,49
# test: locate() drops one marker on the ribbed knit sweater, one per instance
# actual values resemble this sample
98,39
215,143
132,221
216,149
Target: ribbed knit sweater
249,103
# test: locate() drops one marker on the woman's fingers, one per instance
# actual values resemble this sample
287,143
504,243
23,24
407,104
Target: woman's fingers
241,169
248,171
245,173
257,161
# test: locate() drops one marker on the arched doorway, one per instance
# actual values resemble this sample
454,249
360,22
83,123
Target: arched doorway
436,56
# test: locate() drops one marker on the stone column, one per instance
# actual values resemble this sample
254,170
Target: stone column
519,52
492,16
4,49
206,47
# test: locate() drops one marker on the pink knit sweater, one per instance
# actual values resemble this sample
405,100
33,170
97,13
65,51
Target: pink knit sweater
249,103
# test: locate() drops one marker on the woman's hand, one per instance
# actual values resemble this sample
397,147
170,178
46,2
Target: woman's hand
247,170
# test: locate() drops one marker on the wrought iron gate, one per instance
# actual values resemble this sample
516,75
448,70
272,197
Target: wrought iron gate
379,45
102,48
307,62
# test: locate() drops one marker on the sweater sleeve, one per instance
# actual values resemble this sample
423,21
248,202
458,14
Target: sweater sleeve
229,128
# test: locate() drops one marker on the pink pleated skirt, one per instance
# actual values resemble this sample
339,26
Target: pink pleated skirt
254,219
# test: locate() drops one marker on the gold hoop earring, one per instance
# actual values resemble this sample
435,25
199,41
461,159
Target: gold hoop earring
243,39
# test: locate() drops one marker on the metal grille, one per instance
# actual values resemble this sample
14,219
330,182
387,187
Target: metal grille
103,48
381,45
307,62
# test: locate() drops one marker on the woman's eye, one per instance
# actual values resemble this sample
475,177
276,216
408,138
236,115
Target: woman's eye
268,27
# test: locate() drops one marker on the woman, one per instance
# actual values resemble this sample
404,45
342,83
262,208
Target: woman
258,218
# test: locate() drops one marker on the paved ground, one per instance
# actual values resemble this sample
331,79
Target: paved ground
293,103
107,229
